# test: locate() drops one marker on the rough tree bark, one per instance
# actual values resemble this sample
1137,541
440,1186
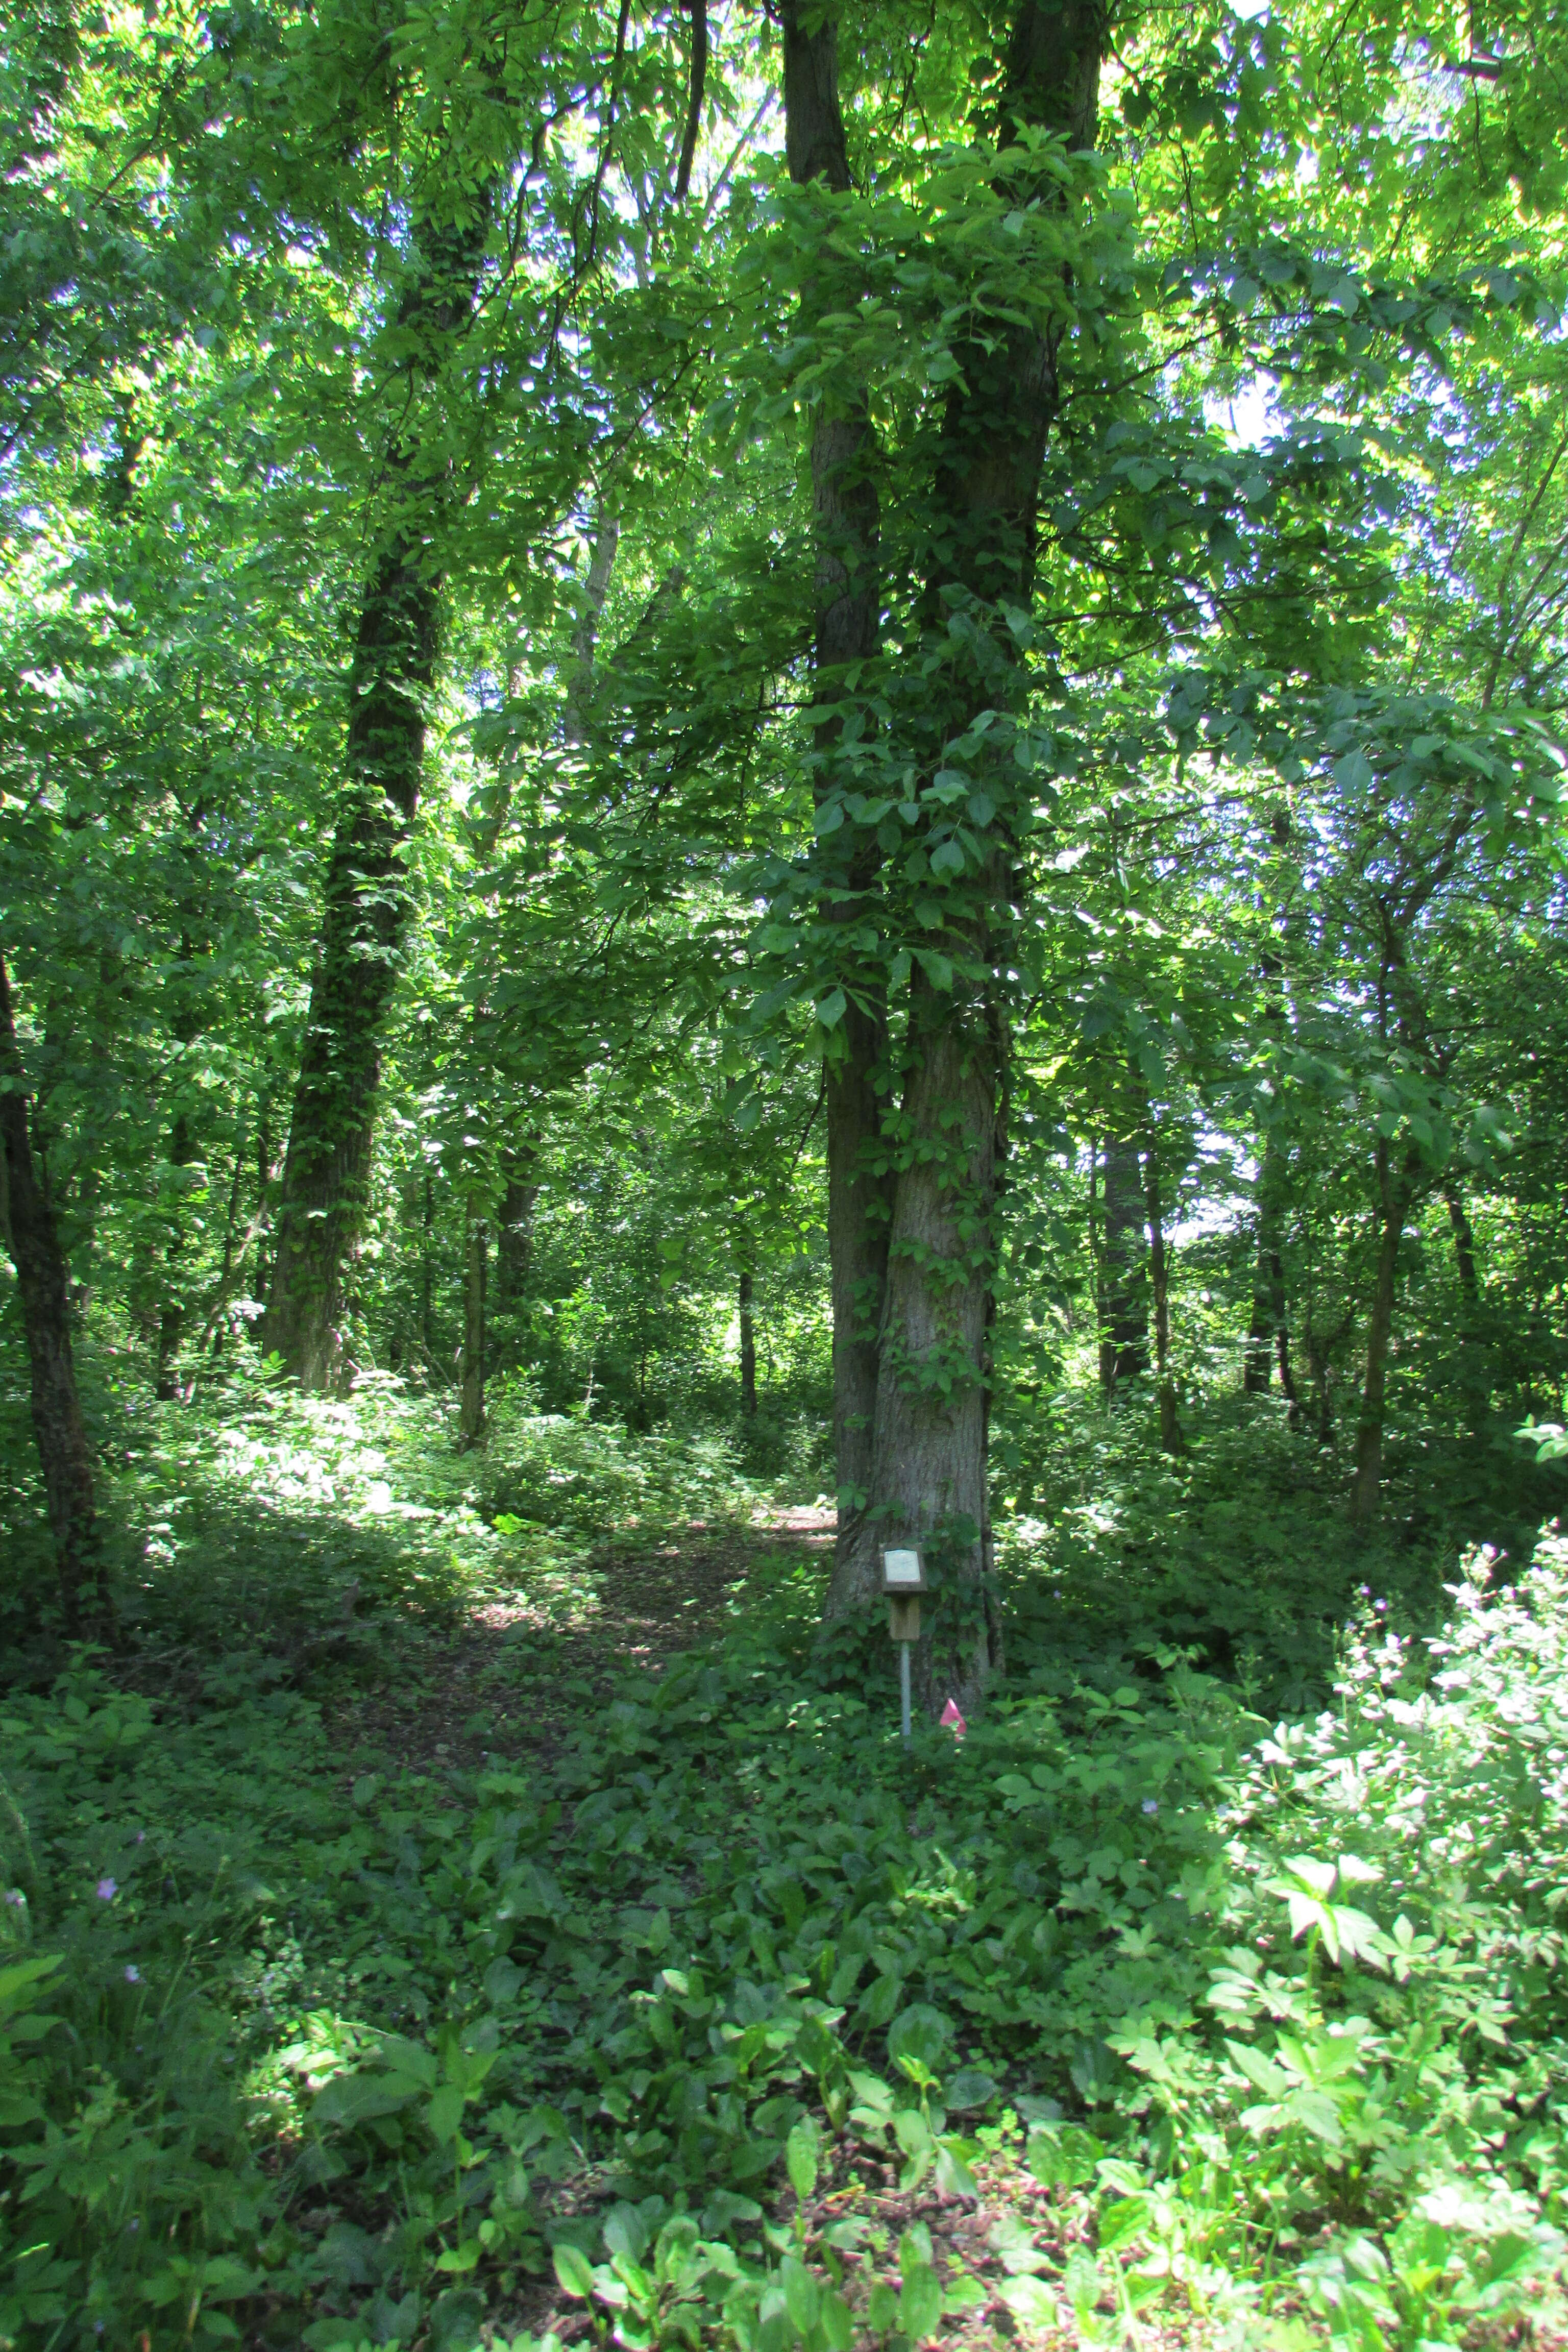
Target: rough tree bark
1396,1192
847,524
1171,1437
427,1267
748,1349
930,1367
43,1280
1270,1333
326,1171
514,1233
929,1480
1124,1276
1464,1243
476,1273
1269,1338
519,1189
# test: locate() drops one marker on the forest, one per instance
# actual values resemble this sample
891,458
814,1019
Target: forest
783,1173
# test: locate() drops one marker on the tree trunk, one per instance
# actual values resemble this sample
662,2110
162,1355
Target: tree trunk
928,1481
1395,1194
1321,1368
1282,1333
171,1314
266,1176
929,1455
426,1266
514,1238
1256,1367
225,1278
847,527
1271,1332
43,1280
859,1205
1464,1244
748,1351
476,1267
1124,1328
1171,1437
326,1172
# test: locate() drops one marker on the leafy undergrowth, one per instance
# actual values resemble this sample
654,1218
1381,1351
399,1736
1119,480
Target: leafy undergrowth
672,2002
1240,1549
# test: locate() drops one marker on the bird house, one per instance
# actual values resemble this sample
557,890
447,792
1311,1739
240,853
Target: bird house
903,1581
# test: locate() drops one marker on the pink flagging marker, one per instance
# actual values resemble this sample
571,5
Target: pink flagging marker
951,1716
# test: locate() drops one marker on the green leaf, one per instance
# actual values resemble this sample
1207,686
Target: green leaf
800,2158
444,2113
881,2308
837,2321
574,2273
1031,2302
921,2033
1119,2223
919,2302
802,2296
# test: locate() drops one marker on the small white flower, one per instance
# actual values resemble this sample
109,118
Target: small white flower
132,1975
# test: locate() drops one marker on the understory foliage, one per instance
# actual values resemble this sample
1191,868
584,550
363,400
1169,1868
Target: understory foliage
1254,2027
783,783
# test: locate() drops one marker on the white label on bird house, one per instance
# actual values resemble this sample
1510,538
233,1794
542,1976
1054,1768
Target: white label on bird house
901,1567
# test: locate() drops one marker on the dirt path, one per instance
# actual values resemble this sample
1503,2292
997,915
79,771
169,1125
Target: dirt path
509,1684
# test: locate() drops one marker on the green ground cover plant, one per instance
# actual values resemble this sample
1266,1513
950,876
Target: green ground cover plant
783,785
696,2021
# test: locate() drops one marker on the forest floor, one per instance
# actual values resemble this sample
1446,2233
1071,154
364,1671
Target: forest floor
514,1676
535,1776
512,1683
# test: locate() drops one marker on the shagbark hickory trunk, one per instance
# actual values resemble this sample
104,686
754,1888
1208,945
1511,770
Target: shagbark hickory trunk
845,521
326,1172
927,1468
43,1280
929,1463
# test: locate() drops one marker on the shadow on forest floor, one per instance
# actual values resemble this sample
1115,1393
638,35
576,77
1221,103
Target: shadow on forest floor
515,1675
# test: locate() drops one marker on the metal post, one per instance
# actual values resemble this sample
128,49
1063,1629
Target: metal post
904,1690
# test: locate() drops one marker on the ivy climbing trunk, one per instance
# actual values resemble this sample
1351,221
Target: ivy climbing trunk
928,1484
846,525
326,1171
912,1182
43,1280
